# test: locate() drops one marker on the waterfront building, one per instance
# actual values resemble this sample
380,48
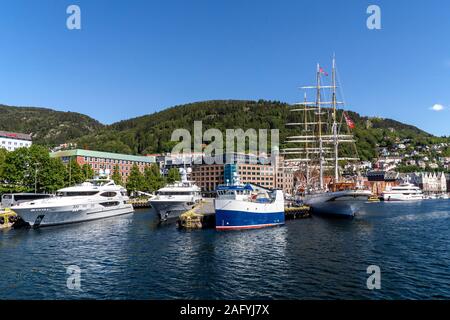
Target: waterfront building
99,160
378,181
430,182
251,169
12,140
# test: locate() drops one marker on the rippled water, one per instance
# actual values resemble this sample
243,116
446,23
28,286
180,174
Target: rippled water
130,257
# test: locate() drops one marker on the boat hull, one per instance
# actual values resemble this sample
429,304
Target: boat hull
171,210
339,204
41,217
401,197
235,214
235,220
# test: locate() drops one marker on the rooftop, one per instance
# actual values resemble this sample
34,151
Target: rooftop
14,135
101,154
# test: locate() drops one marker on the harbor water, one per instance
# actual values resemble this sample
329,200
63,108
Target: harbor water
131,257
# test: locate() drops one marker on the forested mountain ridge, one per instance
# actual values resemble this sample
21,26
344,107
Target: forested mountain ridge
151,133
47,126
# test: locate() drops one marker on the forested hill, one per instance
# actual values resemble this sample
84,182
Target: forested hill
151,133
47,126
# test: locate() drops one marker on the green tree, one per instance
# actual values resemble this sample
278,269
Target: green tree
153,178
173,175
116,175
25,169
74,173
3,153
52,176
136,180
88,172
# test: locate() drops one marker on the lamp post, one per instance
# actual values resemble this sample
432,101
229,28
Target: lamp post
35,176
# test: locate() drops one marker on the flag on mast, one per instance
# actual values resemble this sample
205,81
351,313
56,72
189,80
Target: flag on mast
323,71
349,121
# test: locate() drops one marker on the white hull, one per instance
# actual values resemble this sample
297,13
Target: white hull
167,210
91,200
69,214
340,203
402,197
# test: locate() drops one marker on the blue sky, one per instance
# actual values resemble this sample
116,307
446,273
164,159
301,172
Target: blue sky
136,57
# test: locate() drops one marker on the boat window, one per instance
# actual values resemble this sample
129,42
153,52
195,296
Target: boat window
108,194
174,193
76,193
110,203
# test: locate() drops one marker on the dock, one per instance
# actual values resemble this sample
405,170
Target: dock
140,202
200,217
297,212
7,218
203,215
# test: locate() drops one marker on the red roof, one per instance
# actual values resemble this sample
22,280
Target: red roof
14,135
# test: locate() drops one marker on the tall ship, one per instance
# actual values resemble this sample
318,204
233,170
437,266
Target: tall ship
174,199
317,151
403,192
93,199
242,206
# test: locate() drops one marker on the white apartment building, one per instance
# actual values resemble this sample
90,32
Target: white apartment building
12,141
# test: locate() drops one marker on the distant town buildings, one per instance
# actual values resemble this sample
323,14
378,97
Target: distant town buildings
430,182
105,160
12,140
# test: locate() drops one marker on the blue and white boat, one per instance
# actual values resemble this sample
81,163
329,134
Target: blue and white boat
244,206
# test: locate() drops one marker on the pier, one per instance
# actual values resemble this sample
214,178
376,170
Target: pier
300,212
7,218
140,203
200,217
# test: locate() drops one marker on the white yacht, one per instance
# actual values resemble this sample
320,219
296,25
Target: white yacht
93,199
403,192
174,199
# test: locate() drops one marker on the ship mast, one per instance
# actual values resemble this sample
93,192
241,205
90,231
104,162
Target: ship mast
334,127
319,121
318,146
306,143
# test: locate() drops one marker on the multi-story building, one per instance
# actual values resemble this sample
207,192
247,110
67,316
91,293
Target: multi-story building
99,160
430,182
378,181
12,141
251,169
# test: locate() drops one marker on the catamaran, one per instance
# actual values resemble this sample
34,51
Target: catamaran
318,145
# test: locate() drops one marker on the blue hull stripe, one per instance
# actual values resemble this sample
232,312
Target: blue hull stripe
230,219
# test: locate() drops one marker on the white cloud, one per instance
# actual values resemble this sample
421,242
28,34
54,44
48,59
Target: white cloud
437,107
